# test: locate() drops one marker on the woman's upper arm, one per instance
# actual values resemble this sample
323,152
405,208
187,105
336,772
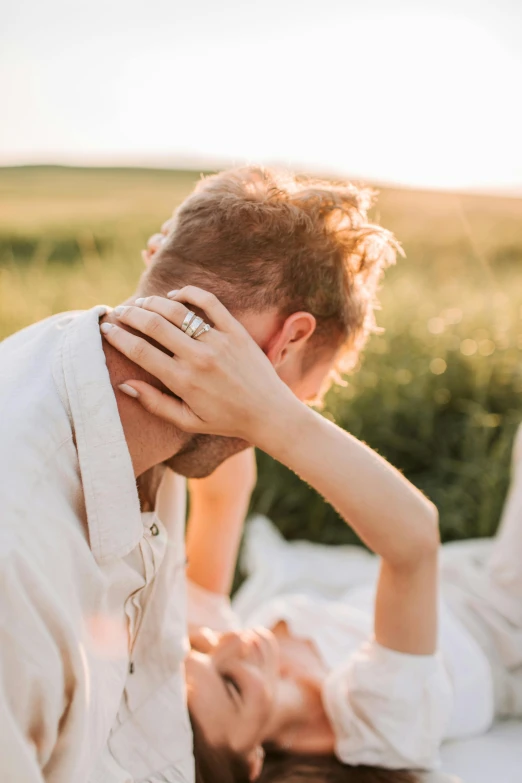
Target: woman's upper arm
406,605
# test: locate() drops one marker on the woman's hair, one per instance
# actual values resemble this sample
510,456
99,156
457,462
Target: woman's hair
222,765
216,764
282,767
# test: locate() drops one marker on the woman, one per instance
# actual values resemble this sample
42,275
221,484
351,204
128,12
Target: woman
388,704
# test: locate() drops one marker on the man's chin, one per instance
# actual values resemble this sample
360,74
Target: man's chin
185,467
203,454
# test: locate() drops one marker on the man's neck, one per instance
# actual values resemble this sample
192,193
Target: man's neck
149,439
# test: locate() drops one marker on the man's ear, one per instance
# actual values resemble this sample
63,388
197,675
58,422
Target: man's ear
291,338
255,760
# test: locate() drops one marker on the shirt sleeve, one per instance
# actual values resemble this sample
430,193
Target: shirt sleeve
31,682
389,709
17,750
108,770
211,610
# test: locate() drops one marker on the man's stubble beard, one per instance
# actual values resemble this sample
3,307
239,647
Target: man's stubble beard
199,457
202,454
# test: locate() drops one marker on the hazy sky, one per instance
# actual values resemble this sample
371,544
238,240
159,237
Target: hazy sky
424,92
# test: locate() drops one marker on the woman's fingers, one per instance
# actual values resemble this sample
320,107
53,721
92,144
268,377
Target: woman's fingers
168,226
207,302
162,326
229,384
155,242
175,312
159,404
164,368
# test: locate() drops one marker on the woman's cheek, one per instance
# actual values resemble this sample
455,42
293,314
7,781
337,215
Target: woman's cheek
261,697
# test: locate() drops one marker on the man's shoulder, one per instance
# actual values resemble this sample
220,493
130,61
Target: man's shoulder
30,338
29,353
35,419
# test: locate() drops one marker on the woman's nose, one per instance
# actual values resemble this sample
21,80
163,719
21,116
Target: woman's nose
230,639
231,644
203,640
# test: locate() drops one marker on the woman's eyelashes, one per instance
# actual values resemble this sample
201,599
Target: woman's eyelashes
232,686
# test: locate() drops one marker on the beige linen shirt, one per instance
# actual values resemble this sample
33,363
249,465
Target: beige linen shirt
92,592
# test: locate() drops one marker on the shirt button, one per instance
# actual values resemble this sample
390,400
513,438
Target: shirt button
154,529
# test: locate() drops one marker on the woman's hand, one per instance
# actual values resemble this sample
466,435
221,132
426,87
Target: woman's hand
156,241
225,383
228,387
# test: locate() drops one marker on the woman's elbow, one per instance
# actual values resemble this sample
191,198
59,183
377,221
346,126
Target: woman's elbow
429,533
423,543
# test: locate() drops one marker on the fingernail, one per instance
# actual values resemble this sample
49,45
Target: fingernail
106,327
120,310
172,294
126,389
139,301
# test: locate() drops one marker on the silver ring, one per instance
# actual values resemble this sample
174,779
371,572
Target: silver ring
202,330
194,326
187,320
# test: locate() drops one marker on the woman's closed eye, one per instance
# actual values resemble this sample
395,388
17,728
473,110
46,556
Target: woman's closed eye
232,686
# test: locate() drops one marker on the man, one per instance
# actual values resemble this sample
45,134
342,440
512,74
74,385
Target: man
92,623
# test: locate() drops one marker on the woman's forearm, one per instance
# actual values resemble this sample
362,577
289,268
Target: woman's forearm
392,517
385,510
214,532
234,391
225,385
218,507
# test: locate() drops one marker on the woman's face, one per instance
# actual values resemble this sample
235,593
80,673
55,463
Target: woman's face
231,683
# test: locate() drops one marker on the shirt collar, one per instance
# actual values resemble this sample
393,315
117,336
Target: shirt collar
109,485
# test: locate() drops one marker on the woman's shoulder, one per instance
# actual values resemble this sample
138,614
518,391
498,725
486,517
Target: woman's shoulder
388,708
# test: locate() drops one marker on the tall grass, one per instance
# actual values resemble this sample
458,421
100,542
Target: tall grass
439,390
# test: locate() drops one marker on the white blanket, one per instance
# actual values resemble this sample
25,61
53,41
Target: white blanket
495,757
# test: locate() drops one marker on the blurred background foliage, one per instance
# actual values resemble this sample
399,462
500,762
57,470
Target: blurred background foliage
438,391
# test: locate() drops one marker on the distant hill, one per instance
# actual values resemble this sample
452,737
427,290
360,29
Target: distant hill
60,203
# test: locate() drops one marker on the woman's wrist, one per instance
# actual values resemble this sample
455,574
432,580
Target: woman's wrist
282,427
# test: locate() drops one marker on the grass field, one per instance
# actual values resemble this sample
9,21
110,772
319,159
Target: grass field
439,392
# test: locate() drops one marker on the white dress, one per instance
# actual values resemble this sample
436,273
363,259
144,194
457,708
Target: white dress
386,708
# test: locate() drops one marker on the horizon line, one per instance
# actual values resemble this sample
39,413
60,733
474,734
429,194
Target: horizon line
204,164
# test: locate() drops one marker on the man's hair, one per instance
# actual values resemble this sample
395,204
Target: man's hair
262,239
